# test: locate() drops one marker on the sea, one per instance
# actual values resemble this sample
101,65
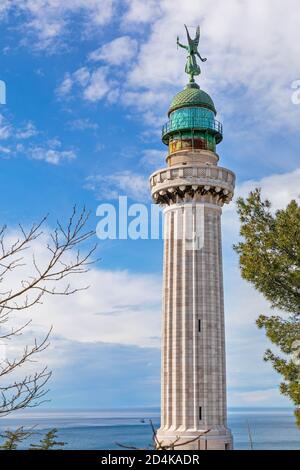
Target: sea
267,428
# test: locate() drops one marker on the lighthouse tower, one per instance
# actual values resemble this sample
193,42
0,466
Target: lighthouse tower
193,189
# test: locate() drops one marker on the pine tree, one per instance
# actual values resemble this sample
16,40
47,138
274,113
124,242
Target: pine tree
269,256
48,441
14,438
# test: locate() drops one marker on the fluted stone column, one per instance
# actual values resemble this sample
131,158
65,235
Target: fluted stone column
193,406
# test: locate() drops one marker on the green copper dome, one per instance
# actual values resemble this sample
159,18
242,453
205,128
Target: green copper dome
192,96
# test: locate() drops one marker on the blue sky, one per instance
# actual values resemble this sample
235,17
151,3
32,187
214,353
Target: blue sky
88,87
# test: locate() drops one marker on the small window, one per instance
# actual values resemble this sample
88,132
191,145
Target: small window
200,413
199,326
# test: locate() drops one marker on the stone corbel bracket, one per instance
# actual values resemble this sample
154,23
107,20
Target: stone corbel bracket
207,183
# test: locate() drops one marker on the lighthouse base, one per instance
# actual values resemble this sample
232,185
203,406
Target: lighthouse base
217,438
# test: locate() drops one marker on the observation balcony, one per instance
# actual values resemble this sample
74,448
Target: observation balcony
190,121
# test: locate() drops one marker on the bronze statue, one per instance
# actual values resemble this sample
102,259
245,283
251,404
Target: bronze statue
191,67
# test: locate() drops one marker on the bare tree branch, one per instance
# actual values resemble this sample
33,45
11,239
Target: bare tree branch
65,260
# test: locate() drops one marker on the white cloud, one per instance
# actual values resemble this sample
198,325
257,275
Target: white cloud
66,86
48,21
154,158
26,141
250,64
4,7
82,76
263,64
120,50
82,124
119,307
53,156
92,85
124,183
5,150
280,189
259,68
140,11
5,128
97,87
29,130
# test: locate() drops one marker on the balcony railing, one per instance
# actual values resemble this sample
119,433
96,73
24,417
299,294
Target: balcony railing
193,122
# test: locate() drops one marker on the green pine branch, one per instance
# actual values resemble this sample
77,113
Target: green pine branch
48,441
269,256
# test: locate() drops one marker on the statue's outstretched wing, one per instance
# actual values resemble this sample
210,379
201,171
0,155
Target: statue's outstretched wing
197,38
190,41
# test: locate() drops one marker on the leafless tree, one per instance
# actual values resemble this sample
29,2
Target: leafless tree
66,256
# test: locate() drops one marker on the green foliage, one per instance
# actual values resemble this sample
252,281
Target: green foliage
13,438
270,251
48,441
285,334
269,256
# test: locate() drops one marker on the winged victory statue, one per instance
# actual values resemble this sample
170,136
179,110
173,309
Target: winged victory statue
191,67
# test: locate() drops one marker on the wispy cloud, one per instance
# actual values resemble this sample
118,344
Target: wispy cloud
5,128
29,130
280,189
120,306
238,60
46,23
141,12
82,124
116,52
153,158
27,141
6,151
252,65
124,183
97,86
66,86
94,83
51,155
91,85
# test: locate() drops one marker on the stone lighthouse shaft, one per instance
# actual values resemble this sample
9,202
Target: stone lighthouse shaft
192,189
